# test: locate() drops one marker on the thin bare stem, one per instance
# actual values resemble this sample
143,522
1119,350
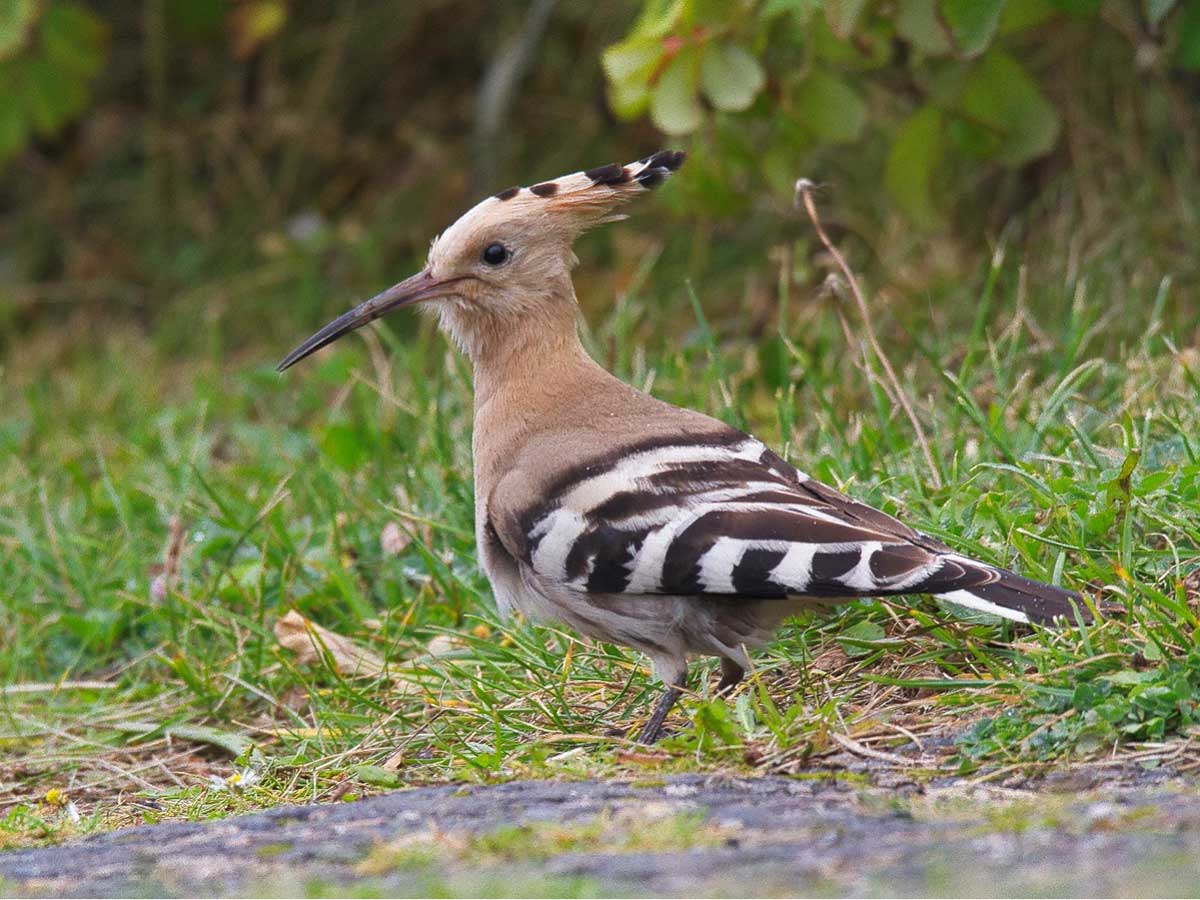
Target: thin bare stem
804,190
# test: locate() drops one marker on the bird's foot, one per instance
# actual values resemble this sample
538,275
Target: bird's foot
654,727
731,677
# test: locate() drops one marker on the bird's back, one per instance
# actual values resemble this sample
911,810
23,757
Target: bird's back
630,495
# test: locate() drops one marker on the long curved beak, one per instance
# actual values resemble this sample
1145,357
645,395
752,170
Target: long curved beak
411,290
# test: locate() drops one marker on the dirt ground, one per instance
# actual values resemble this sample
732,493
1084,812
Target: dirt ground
1125,832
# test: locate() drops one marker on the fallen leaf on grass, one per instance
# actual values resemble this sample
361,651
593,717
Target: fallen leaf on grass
443,644
832,660
311,643
393,762
234,744
393,539
166,574
642,757
1191,586
376,775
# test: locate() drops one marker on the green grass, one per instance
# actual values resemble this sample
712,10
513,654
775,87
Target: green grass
1064,416
642,831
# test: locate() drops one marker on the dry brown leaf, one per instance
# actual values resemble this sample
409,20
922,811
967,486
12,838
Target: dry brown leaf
166,573
415,526
832,660
310,642
394,762
1191,586
443,644
393,539
295,698
642,757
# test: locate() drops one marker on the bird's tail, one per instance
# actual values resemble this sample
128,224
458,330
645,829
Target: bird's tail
999,592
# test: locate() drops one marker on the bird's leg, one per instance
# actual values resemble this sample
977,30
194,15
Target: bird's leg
654,727
731,676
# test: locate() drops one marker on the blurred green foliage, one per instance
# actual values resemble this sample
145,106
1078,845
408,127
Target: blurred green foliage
258,164
49,54
933,80
221,151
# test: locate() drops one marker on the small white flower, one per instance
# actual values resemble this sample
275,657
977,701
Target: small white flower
244,779
239,780
73,812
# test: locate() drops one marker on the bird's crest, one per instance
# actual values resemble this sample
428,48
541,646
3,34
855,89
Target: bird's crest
602,185
571,203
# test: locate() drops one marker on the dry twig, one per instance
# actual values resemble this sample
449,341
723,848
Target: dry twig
804,189
848,743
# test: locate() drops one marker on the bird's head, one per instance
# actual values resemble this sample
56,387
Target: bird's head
508,257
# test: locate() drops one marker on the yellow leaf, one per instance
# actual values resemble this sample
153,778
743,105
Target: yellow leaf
255,23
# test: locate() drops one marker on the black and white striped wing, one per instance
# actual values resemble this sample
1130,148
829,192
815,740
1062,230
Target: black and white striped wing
730,517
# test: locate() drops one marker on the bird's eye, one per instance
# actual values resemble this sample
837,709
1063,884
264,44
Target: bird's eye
495,254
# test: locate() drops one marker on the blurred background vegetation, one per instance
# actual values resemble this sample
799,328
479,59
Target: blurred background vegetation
223,170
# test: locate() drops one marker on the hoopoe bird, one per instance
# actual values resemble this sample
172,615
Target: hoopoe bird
620,515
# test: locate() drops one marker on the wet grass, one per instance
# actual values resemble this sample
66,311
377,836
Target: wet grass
161,508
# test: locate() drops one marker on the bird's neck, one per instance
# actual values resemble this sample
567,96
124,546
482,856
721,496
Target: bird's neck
530,379
532,371
528,357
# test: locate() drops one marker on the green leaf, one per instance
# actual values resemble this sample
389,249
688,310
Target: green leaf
629,66
715,719
1129,676
1119,487
376,775
972,139
674,106
710,14
1001,96
1079,7
16,17
52,98
730,77
74,39
658,18
14,130
802,10
843,15
870,47
629,99
916,153
1187,50
856,639
972,23
1020,14
236,745
918,23
1154,481
633,58
830,108
197,18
